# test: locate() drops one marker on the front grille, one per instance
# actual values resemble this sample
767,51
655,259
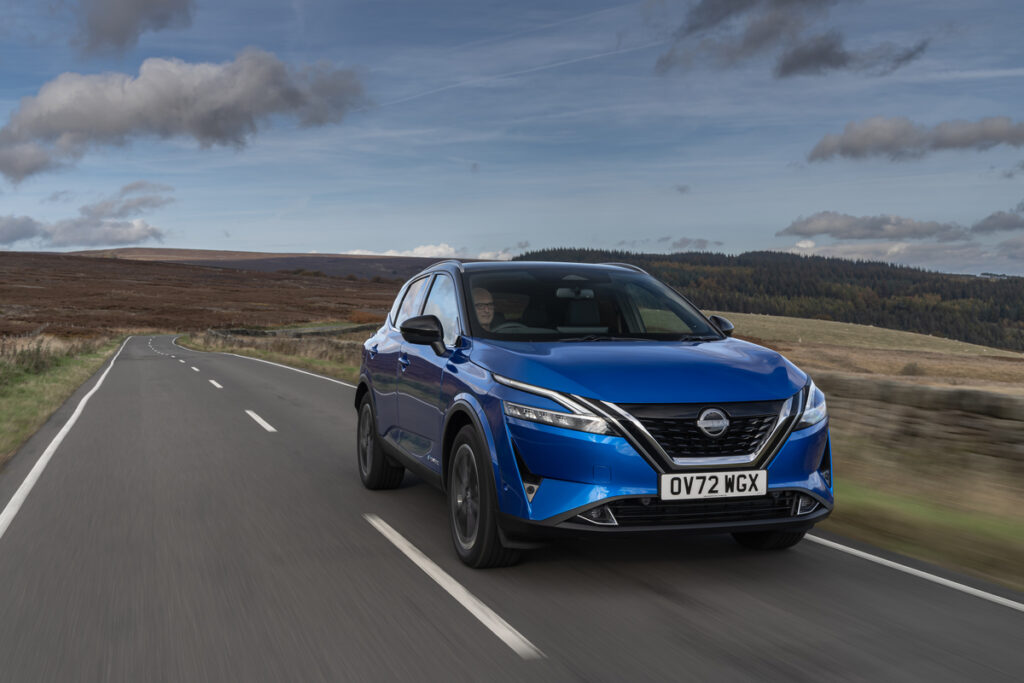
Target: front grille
634,512
674,427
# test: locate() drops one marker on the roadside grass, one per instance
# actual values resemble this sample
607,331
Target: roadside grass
36,376
988,546
336,358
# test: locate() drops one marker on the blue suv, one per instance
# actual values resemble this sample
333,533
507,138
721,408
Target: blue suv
548,399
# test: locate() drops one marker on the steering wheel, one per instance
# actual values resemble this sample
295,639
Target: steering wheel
508,325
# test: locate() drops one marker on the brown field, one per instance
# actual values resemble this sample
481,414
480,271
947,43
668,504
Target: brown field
68,295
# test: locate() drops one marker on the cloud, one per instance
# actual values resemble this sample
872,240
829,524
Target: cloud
1012,172
723,33
899,138
999,221
214,104
110,222
1013,248
60,196
948,256
683,189
844,226
16,228
117,24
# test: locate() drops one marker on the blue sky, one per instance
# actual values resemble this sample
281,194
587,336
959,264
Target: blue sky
865,129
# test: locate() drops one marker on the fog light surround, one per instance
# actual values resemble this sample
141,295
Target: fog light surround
806,505
600,515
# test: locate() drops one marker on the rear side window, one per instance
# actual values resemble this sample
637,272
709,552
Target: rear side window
443,303
409,304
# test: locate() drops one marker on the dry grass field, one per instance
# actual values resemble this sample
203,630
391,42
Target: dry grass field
820,345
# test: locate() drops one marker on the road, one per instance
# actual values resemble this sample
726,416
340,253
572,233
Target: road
172,537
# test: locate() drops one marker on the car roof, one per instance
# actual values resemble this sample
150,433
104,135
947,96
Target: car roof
485,266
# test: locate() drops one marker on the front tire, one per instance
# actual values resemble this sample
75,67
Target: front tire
376,469
768,540
472,505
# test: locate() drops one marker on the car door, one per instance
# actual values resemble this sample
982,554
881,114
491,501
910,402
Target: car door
423,393
383,356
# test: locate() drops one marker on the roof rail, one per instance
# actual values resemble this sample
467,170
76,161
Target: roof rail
628,265
456,261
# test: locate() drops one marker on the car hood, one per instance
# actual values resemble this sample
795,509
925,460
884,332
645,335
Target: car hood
723,371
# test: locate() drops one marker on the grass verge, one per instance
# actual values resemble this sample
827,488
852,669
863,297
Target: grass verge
28,399
296,353
988,546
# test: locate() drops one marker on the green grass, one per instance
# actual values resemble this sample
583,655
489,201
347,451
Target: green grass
28,400
807,331
988,546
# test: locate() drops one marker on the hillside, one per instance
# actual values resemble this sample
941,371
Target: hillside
979,310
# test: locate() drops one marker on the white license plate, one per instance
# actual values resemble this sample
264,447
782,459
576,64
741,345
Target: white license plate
713,485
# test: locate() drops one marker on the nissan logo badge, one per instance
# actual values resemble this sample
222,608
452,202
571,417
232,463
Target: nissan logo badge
713,422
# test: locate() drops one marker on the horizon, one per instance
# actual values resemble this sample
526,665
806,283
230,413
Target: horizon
875,131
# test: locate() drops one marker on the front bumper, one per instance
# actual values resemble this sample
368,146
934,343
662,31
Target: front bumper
578,472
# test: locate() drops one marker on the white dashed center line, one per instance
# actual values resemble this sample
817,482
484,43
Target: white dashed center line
260,421
180,361
195,368
215,384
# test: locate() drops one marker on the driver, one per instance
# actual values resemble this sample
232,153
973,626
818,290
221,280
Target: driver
483,303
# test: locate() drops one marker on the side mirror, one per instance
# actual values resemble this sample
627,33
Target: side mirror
723,325
424,329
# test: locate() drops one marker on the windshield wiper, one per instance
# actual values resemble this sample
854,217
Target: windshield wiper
601,337
697,337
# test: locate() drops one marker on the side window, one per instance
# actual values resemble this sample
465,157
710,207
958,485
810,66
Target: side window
411,300
443,303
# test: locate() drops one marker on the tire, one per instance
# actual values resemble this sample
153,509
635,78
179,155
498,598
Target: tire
472,505
768,540
376,469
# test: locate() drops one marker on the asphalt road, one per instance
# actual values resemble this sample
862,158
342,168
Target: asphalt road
172,537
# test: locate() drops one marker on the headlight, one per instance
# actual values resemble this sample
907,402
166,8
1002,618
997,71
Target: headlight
578,417
583,423
814,408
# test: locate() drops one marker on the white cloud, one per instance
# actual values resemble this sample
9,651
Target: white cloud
214,104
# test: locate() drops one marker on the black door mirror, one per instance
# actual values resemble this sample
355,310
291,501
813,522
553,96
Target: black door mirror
424,329
722,324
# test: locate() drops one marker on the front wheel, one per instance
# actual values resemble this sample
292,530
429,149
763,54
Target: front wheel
472,506
376,469
768,540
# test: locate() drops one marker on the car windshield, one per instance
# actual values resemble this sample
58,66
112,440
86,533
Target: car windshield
582,304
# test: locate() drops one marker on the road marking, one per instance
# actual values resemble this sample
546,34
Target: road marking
215,384
14,504
260,421
920,574
176,357
180,360
488,617
288,367
195,368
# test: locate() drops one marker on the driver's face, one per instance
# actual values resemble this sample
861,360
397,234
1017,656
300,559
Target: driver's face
484,304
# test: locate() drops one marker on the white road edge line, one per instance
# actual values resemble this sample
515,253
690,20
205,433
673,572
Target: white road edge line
920,574
215,384
14,504
286,367
260,421
488,617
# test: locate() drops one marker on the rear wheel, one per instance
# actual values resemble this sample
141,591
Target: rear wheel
472,505
376,469
768,540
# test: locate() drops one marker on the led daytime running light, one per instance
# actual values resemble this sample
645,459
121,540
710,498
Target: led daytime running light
582,423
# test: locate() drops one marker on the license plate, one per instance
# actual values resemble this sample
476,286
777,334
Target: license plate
713,485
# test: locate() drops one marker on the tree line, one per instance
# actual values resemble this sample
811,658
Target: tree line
986,310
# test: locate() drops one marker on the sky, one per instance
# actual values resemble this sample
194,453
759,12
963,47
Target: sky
868,129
